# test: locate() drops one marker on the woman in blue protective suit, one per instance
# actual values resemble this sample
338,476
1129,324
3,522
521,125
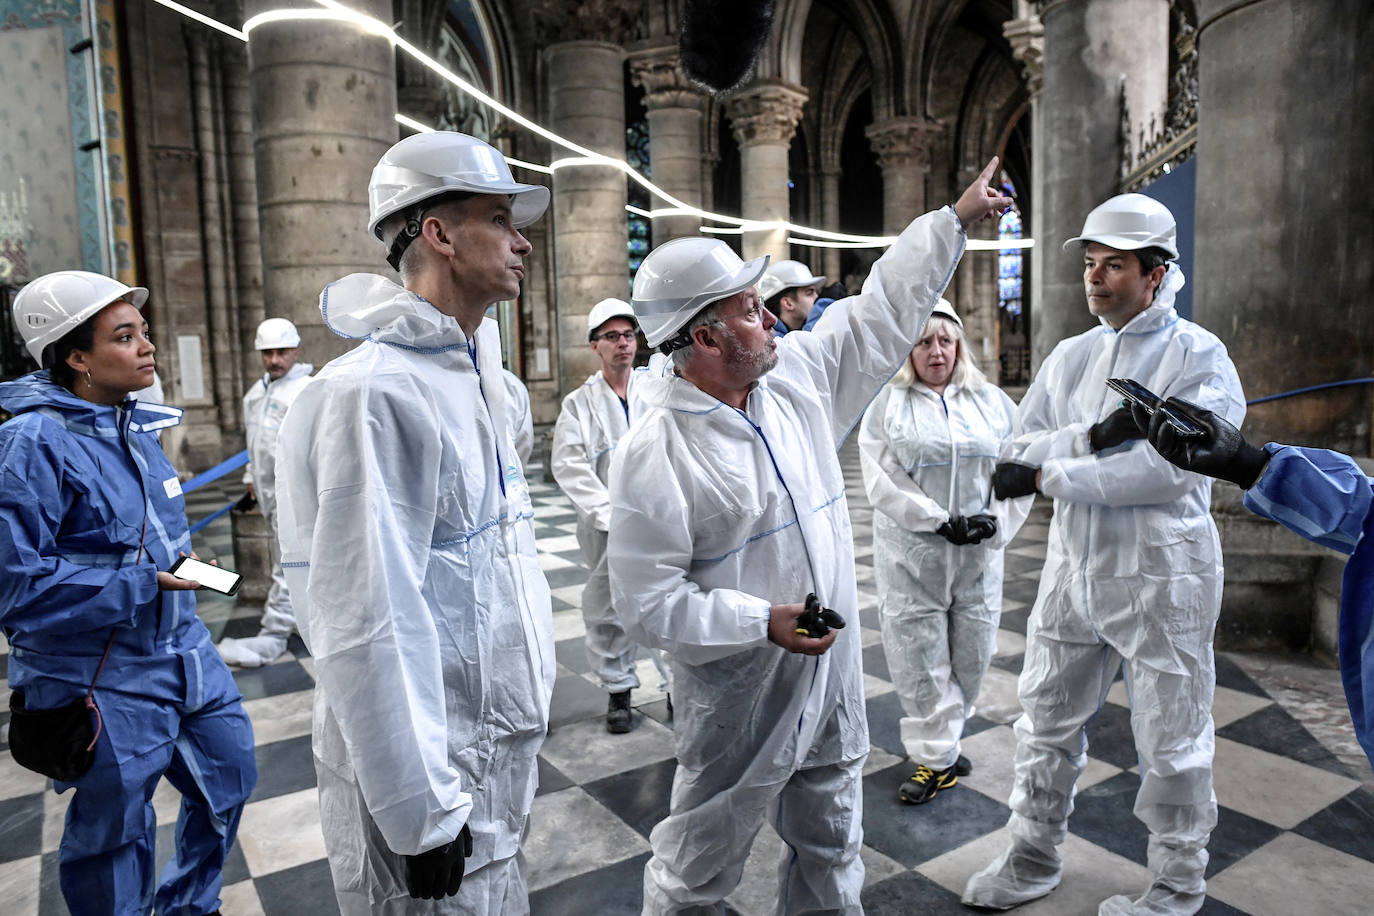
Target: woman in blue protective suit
92,518
927,446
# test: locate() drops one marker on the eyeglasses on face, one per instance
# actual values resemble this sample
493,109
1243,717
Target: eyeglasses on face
614,336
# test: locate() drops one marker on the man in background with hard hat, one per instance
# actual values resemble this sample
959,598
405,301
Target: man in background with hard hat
1133,570
788,291
264,407
727,510
408,540
592,421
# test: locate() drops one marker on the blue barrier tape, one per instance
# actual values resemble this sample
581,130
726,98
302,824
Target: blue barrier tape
210,518
1289,394
215,473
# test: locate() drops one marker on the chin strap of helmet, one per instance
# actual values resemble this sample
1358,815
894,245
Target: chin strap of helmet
409,233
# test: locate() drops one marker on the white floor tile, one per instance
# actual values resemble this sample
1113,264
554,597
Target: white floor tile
1292,875
282,832
279,717
584,751
571,834
1274,789
19,884
992,752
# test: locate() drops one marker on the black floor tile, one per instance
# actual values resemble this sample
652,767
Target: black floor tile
566,576
1348,825
639,797
1015,566
241,627
272,680
975,724
1273,729
296,646
910,893
551,779
1023,590
1103,814
1213,907
912,834
1110,737
1236,836
21,825
284,767
1016,619
295,891
657,710
884,727
574,699
572,654
868,617
50,902
1229,674
875,661
235,866
617,890
1011,663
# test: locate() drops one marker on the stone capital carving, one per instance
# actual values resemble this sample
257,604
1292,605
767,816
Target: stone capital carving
617,22
903,143
765,112
1027,40
665,85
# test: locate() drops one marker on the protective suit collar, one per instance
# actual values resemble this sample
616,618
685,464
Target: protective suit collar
374,307
37,390
673,392
1160,312
300,370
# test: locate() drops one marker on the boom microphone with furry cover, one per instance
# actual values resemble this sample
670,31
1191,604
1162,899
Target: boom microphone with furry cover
721,39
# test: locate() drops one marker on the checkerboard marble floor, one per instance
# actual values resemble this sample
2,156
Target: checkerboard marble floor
1296,831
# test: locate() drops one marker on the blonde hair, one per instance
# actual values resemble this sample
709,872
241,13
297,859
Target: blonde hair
966,374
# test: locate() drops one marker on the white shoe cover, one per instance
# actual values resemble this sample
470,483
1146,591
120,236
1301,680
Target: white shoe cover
253,652
1019,875
1158,900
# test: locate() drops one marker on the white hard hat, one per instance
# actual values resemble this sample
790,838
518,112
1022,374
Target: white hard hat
786,275
682,277
1129,222
945,309
276,334
425,166
51,306
604,311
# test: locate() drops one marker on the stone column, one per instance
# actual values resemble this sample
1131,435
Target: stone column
675,109
902,146
830,219
764,116
587,105
1090,47
324,106
1026,35
243,203
1284,149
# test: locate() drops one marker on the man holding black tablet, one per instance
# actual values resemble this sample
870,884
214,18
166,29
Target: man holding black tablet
1132,575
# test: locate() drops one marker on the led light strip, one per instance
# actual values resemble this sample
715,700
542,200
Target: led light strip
337,12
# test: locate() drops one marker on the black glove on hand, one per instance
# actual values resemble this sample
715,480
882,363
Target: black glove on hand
816,621
955,530
1221,452
438,873
1012,479
246,503
1119,427
981,527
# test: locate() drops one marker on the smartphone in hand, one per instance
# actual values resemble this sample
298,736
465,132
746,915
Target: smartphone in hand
224,581
1137,393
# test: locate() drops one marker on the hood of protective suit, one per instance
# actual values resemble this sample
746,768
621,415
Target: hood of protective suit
373,307
38,390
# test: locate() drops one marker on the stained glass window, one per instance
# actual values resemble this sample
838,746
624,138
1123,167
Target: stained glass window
1009,260
640,233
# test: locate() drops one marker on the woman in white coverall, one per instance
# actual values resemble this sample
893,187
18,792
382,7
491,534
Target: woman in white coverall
928,446
408,542
723,518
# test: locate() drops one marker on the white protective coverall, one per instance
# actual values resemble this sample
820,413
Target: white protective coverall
408,539
926,457
521,422
264,407
717,514
1133,574
592,421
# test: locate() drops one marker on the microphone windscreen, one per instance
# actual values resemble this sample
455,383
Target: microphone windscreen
721,39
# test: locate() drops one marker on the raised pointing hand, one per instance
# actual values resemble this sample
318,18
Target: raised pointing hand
979,201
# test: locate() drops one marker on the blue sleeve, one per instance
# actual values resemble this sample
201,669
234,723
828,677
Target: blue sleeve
40,591
1321,495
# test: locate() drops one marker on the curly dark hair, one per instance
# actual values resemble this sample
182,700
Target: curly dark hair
81,337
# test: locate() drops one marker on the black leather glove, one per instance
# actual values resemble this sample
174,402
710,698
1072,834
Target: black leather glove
816,621
955,530
1012,479
981,527
246,503
1221,452
438,873
1118,427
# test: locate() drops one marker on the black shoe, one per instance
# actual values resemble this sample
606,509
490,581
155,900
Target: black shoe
618,713
922,785
963,766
